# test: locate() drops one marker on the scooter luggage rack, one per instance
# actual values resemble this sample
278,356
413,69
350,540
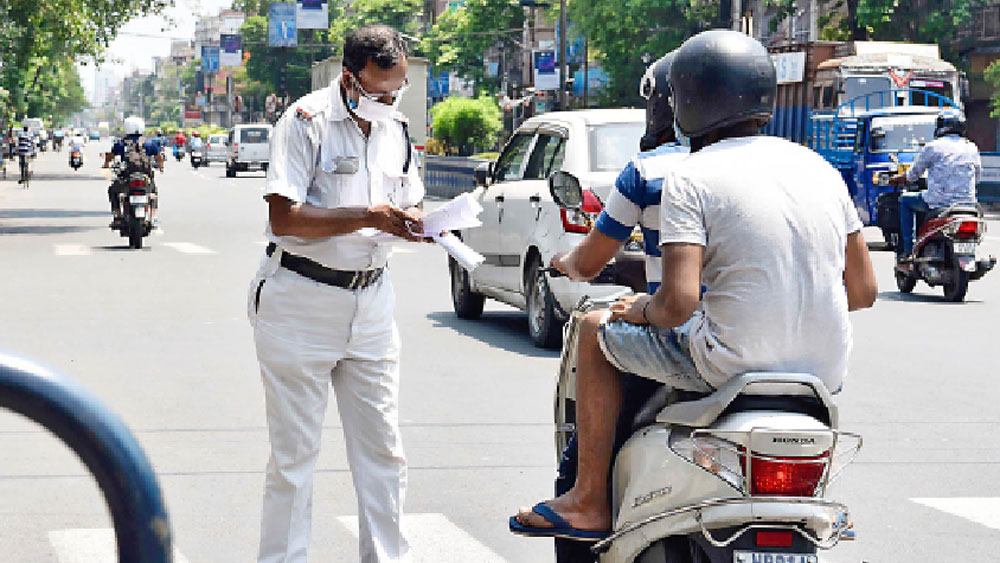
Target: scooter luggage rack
836,534
744,453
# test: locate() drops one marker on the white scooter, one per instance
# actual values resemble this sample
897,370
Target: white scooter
736,476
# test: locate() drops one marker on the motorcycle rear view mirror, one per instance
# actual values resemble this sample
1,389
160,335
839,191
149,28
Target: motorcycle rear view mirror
566,190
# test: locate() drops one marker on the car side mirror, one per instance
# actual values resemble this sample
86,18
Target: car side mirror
566,190
483,173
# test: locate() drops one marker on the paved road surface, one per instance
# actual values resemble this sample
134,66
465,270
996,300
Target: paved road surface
160,334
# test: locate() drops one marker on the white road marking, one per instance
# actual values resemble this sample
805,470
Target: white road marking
435,539
189,248
96,545
981,510
72,250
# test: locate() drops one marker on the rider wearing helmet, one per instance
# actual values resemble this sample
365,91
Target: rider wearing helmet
196,142
769,229
953,167
634,202
134,129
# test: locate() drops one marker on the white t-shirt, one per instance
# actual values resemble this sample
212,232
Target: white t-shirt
773,217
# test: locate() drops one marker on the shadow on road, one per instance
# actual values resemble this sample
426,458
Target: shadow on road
507,330
43,229
120,247
920,298
69,176
49,213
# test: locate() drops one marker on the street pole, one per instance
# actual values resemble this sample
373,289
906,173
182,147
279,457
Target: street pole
562,55
586,70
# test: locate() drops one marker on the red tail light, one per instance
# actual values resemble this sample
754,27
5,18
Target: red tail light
581,221
786,476
774,539
137,184
968,229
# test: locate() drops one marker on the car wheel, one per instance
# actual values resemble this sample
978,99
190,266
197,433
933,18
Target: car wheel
467,303
545,328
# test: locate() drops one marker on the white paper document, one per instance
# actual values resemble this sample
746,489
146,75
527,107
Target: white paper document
459,213
468,258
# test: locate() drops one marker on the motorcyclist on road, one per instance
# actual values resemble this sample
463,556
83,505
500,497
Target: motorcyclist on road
782,262
196,143
134,128
75,145
953,167
180,141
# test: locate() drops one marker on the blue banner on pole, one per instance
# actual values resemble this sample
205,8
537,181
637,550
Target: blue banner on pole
209,59
437,84
281,30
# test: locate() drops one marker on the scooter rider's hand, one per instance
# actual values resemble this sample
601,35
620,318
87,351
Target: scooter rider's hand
631,309
898,180
560,262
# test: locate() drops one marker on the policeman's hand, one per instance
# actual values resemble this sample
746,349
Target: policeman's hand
417,214
630,309
394,221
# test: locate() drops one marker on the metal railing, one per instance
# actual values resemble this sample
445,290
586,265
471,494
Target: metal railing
110,452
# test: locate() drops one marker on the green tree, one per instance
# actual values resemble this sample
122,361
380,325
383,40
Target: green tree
467,124
458,40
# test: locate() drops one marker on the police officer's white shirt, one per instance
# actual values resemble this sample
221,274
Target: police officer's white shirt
773,217
319,156
953,167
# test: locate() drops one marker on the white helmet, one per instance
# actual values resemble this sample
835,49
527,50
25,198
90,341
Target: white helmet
134,126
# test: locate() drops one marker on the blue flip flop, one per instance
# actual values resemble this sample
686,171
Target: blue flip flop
560,527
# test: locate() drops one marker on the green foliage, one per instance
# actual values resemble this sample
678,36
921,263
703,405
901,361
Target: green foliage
992,78
266,64
467,124
37,37
460,36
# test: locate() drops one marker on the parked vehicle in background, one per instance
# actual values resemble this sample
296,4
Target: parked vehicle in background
523,227
216,148
95,135
104,129
248,148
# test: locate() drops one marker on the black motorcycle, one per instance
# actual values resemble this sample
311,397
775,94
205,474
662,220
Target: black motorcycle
138,204
75,160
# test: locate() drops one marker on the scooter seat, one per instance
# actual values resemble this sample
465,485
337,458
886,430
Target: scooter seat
955,210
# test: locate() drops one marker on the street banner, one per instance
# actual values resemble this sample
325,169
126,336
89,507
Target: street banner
232,50
281,30
789,68
312,14
546,73
209,59
231,22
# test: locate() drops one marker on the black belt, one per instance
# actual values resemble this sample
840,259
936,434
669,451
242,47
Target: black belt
317,272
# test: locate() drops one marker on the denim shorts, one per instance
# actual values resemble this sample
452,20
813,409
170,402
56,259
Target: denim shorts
662,354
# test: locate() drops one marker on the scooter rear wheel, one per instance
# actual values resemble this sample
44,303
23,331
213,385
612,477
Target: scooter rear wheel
956,290
905,282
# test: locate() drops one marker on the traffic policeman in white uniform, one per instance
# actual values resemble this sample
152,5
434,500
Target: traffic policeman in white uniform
341,176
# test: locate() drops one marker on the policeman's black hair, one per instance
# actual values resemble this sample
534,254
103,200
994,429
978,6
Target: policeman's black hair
379,44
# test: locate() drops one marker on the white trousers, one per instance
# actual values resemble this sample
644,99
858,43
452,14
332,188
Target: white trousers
309,335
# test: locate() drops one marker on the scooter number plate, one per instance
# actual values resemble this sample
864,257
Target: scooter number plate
759,557
138,199
965,247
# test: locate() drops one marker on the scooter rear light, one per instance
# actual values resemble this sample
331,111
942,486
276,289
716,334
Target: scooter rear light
968,229
786,476
774,539
581,221
137,184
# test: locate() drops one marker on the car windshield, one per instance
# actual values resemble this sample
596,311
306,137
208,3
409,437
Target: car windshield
613,144
220,139
902,133
254,135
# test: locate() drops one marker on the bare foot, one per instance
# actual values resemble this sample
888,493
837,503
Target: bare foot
580,515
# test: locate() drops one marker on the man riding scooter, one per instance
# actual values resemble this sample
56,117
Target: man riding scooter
953,167
634,202
782,261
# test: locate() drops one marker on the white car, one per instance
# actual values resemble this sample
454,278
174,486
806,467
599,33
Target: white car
216,148
248,148
523,227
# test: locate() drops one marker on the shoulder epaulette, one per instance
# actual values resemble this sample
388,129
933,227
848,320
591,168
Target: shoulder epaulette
303,115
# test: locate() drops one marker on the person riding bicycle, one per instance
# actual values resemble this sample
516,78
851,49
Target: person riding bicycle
953,167
25,150
149,152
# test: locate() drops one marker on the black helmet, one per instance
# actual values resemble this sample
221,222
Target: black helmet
950,121
719,78
655,88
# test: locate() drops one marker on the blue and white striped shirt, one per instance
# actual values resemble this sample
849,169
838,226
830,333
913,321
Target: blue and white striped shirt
636,201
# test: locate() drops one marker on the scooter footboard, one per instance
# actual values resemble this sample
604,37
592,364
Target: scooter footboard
820,521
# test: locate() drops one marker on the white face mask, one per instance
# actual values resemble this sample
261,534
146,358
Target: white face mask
373,110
